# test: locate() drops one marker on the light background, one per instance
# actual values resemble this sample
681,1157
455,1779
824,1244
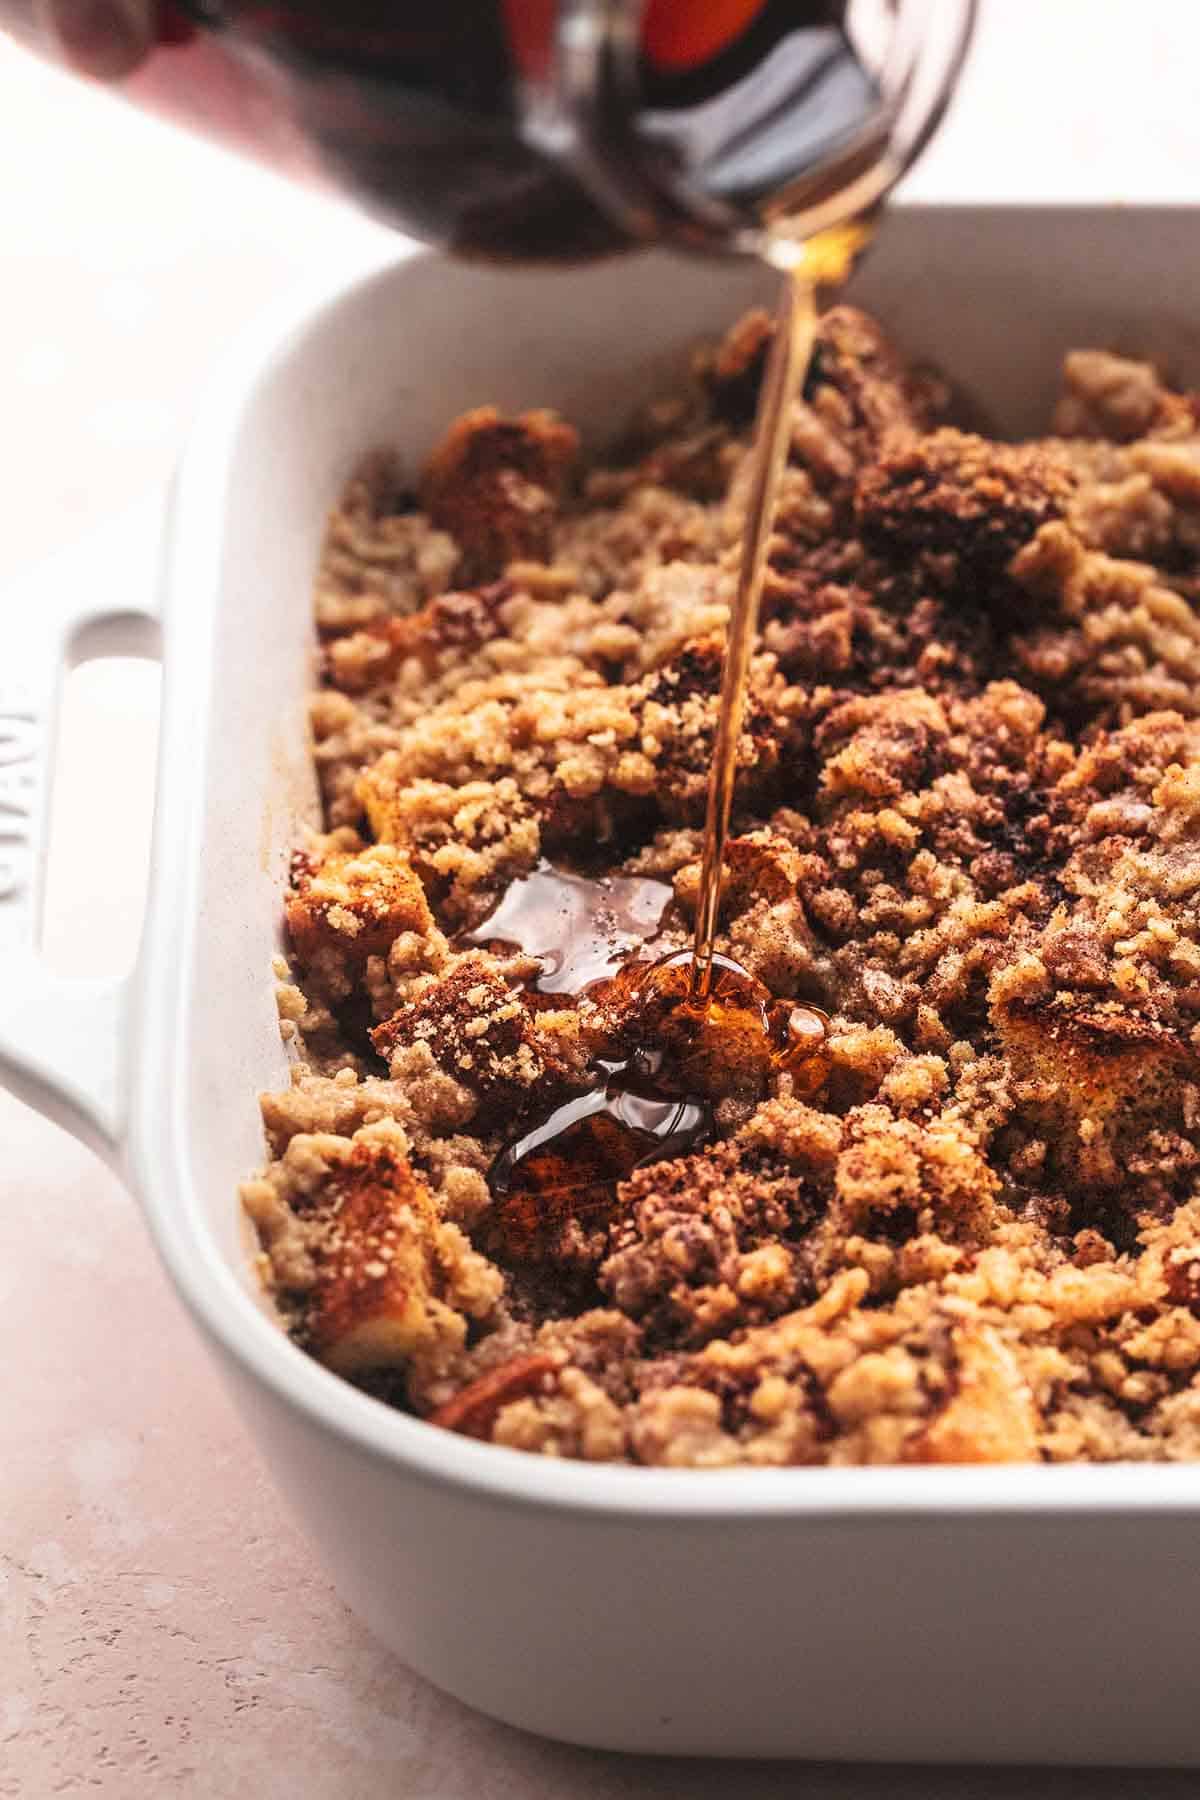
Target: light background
163,1628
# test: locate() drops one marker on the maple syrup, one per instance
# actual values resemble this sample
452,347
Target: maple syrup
559,1180
556,1185
579,929
827,257
699,1027
725,1044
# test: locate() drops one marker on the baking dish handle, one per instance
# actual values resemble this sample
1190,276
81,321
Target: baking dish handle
62,1040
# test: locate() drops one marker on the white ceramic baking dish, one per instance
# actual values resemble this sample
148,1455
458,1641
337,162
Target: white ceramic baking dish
907,1614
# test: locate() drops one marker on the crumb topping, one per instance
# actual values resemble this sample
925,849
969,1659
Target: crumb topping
967,826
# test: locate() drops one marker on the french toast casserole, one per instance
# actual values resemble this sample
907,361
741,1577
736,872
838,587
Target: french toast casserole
967,828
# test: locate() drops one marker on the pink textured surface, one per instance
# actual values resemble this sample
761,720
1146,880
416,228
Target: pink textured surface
163,1627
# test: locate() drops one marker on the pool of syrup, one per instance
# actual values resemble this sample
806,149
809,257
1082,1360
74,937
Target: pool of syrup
580,929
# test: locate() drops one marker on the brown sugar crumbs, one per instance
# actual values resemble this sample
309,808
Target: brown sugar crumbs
967,829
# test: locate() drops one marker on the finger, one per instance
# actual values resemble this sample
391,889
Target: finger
102,38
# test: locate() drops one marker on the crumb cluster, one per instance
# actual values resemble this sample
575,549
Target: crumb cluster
967,826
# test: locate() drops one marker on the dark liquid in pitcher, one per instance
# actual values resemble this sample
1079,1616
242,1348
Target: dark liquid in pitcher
421,112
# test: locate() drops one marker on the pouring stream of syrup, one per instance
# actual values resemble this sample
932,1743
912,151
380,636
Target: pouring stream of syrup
825,258
703,1023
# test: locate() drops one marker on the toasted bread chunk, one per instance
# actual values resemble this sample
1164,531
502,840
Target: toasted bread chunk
1109,1074
354,903
466,842
494,484
482,1034
391,1278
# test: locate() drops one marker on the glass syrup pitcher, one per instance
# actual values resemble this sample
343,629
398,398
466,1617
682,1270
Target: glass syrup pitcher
556,130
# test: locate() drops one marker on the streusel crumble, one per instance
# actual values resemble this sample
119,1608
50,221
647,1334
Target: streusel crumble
967,1227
